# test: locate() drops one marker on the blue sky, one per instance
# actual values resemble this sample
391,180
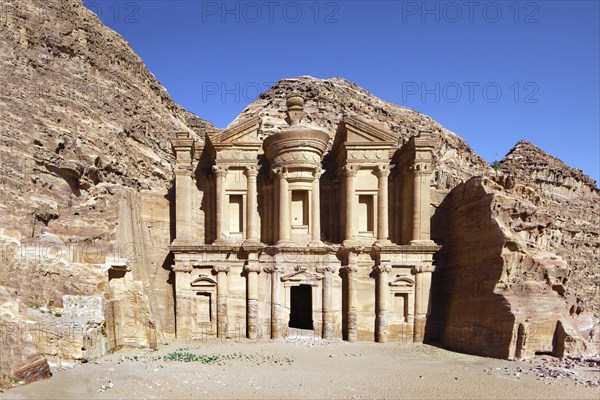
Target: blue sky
494,72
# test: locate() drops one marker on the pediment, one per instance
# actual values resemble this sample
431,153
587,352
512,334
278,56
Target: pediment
242,133
203,281
402,281
302,275
355,130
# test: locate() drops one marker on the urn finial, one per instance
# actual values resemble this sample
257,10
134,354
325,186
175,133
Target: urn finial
295,109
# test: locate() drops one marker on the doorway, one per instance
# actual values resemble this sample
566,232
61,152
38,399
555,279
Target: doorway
301,307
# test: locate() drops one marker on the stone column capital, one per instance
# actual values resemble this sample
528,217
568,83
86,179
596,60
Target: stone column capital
324,269
273,269
383,268
280,172
350,268
252,268
219,170
183,267
420,168
318,171
355,249
383,171
349,170
221,268
251,171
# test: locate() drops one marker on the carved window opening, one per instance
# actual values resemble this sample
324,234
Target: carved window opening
400,306
204,305
299,207
116,273
301,307
236,213
365,213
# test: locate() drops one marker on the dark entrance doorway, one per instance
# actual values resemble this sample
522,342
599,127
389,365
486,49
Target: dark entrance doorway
301,307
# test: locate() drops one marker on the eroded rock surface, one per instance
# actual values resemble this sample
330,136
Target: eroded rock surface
20,360
571,201
84,127
507,284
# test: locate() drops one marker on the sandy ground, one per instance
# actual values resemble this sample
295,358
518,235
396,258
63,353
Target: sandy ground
302,368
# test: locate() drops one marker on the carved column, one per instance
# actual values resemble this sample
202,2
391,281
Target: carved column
398,204
221,271
210,207
351,320
422,292
252,301
425,201
381,321
183,149
275,272
183,300
315,211
407,200
251,206
416,219
382,205
284,208
327,312
349,175
220,174
421,199
183,205
269,213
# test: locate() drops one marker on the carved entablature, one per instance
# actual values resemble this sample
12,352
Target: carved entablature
296,148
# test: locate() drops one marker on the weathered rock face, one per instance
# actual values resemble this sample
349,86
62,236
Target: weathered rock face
19,358
506,287
573,201
84,128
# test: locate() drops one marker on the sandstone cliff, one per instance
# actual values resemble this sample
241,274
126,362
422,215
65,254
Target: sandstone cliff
85,165
518,273
573,200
